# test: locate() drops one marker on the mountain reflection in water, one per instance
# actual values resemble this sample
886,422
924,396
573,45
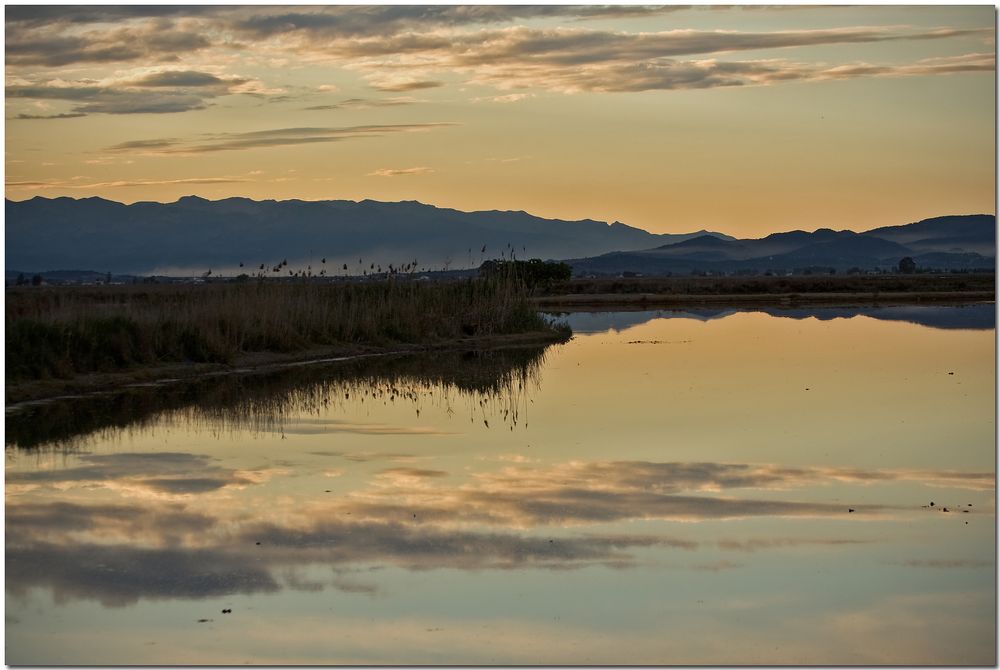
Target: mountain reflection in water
978,316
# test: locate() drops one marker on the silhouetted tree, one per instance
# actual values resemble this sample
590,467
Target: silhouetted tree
36,280
907,266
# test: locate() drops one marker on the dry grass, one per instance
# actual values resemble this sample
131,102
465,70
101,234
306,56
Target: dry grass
60,332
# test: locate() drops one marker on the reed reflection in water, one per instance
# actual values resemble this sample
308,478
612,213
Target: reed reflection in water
493,385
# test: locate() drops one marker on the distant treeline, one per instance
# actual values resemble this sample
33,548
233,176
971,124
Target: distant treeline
804,284
534,273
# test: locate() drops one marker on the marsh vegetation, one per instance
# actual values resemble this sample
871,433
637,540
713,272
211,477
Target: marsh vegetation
62,332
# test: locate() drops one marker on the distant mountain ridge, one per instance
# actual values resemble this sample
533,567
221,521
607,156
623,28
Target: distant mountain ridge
945,242
193,235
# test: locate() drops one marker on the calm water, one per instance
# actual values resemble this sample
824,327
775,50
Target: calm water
667,488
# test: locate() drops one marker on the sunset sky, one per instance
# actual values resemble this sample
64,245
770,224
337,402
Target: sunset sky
741,120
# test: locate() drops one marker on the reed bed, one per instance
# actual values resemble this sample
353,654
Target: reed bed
62,332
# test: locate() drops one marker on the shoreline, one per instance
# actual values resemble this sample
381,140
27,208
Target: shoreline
22,394
25,394
838,299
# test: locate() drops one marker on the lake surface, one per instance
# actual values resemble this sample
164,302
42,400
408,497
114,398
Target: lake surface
666,488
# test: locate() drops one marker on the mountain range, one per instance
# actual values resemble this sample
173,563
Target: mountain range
193,235
945,242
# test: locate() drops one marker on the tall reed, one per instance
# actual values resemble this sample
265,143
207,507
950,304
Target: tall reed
60,332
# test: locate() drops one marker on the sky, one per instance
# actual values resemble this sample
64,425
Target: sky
744,120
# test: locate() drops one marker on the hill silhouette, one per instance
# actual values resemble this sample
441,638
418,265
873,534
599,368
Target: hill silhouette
948,243
193,234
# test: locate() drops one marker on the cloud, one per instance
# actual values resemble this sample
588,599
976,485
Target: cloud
68,115
419,546
411,473
122,574
573,60
147,145
48,15
184,78
50,45
685,75
78,183
331,23
511,97
412,518
406,85
406,48
161,92
164,526
364,103
578,493
387,172
276,137
567,47
173,473
119,555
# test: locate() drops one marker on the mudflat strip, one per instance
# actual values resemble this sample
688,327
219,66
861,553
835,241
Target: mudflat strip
839,298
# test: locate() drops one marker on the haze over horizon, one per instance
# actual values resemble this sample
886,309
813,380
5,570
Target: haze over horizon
745,121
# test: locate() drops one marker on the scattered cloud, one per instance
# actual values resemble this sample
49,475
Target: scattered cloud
578,493
410,517
400,48
406,85
411,473
510,97
321,24
574,60
155,40
365,103
59,520
276,137
169,473
117,575
67,115
400,172
184,78
159,92
78,182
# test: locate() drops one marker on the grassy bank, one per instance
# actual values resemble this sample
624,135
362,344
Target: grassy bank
65,332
